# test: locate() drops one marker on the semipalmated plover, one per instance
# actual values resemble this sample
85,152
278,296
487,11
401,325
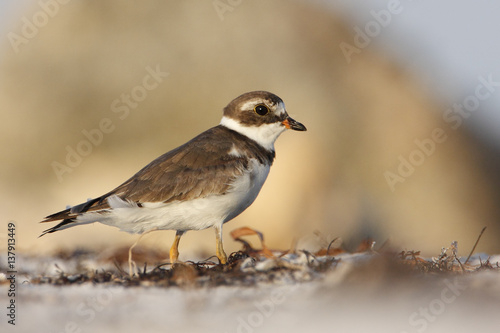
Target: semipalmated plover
204,183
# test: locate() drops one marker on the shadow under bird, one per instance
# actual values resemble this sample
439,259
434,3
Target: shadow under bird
204,183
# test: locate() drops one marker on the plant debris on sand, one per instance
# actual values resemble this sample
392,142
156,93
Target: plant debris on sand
252,266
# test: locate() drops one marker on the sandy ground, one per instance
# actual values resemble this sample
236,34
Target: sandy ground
360,293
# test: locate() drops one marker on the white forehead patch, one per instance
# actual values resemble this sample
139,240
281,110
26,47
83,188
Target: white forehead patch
280,109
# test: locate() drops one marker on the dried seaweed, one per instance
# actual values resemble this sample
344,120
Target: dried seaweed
252,266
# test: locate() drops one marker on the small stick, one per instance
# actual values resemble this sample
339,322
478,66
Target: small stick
461,266
477,241
117,265
330,244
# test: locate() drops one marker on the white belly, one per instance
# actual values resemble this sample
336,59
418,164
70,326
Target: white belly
194,214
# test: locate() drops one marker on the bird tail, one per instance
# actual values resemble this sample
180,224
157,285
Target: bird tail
68,216
66,223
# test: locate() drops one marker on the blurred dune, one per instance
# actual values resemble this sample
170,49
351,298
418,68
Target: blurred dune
360,116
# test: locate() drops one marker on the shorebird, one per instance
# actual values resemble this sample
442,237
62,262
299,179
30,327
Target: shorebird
204,183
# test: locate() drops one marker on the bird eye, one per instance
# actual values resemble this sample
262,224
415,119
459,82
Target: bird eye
261,109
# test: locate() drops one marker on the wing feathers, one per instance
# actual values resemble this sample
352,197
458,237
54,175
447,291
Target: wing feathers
199,168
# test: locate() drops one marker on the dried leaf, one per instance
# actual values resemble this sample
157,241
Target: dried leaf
246,231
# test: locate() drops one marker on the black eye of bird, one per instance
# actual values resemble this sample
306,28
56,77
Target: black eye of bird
261,110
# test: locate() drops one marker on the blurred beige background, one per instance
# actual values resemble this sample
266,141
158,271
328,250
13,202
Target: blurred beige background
361,116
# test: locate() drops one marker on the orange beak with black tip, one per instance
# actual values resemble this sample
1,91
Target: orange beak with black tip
293,124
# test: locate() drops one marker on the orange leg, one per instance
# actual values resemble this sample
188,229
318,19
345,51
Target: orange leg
174,250
219,248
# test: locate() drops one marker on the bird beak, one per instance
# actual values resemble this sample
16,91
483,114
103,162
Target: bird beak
292,124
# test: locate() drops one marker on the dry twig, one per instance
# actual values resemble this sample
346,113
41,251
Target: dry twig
474,247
